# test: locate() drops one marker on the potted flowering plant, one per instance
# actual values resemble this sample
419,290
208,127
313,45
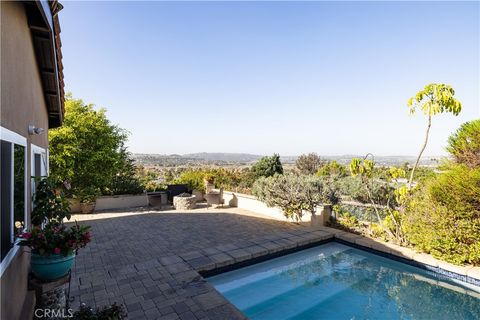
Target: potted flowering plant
54,248
53,245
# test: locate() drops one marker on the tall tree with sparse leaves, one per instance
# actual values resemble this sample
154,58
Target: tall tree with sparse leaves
433,99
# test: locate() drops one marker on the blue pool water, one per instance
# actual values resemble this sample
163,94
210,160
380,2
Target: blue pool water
335,281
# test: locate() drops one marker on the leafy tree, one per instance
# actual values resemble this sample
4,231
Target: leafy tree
433,99
268,166
308,163
126,181
87,149
332,168
464,144
294,194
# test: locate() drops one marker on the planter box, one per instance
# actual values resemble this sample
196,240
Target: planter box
121,202
250,203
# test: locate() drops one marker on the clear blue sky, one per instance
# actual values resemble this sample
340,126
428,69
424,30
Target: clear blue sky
264,77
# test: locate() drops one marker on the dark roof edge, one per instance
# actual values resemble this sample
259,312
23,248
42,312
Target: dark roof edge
45,29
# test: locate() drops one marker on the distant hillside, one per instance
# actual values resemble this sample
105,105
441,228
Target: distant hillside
224,159
227,157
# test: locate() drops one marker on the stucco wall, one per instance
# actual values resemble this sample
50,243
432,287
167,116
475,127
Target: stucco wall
244,201
250,203
21,103
22,100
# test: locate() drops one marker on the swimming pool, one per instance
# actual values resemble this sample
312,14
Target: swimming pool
335,281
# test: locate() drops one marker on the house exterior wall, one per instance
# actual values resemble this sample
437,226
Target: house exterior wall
22,104
22,100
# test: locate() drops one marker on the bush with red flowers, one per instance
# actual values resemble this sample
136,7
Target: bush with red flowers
56,239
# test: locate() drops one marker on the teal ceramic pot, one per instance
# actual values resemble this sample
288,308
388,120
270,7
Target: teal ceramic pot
51,267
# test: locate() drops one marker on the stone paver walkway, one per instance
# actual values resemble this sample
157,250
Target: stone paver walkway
150,261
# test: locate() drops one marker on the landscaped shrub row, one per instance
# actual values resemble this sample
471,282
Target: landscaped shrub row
443,217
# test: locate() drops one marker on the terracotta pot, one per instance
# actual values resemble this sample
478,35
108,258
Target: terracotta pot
87,207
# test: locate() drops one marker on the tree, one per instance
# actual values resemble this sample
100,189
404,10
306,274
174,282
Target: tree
126,180
268,166
294,194
308,163
87,149
433,99
464,144
332,168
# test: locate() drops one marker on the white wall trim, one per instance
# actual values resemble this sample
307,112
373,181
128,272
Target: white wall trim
8,258
12,136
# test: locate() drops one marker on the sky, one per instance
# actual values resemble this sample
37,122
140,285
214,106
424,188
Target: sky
263,77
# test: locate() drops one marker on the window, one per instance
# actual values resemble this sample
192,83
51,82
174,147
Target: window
39,166
6,199
18,188
13,183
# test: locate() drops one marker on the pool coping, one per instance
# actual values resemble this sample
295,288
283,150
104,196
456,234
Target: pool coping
233,257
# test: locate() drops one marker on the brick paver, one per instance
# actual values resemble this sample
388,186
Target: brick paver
149,261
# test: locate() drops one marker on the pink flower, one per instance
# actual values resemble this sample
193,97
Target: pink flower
56,250
26,235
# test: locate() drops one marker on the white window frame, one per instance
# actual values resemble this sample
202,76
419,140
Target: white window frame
43,152
15,138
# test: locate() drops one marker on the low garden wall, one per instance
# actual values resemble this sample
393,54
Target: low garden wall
250,203
114,202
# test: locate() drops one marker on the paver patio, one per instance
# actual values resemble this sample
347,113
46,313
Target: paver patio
150,261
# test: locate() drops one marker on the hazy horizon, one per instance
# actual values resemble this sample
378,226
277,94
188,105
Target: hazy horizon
263,77
424,156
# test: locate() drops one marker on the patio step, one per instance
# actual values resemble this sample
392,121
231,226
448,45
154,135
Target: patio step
277,284
290,304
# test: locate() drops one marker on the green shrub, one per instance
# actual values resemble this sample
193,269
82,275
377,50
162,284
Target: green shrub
464,144
268,166
443,217
294,194
112,312
348,220
193,178
377,231
332,168
353,188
